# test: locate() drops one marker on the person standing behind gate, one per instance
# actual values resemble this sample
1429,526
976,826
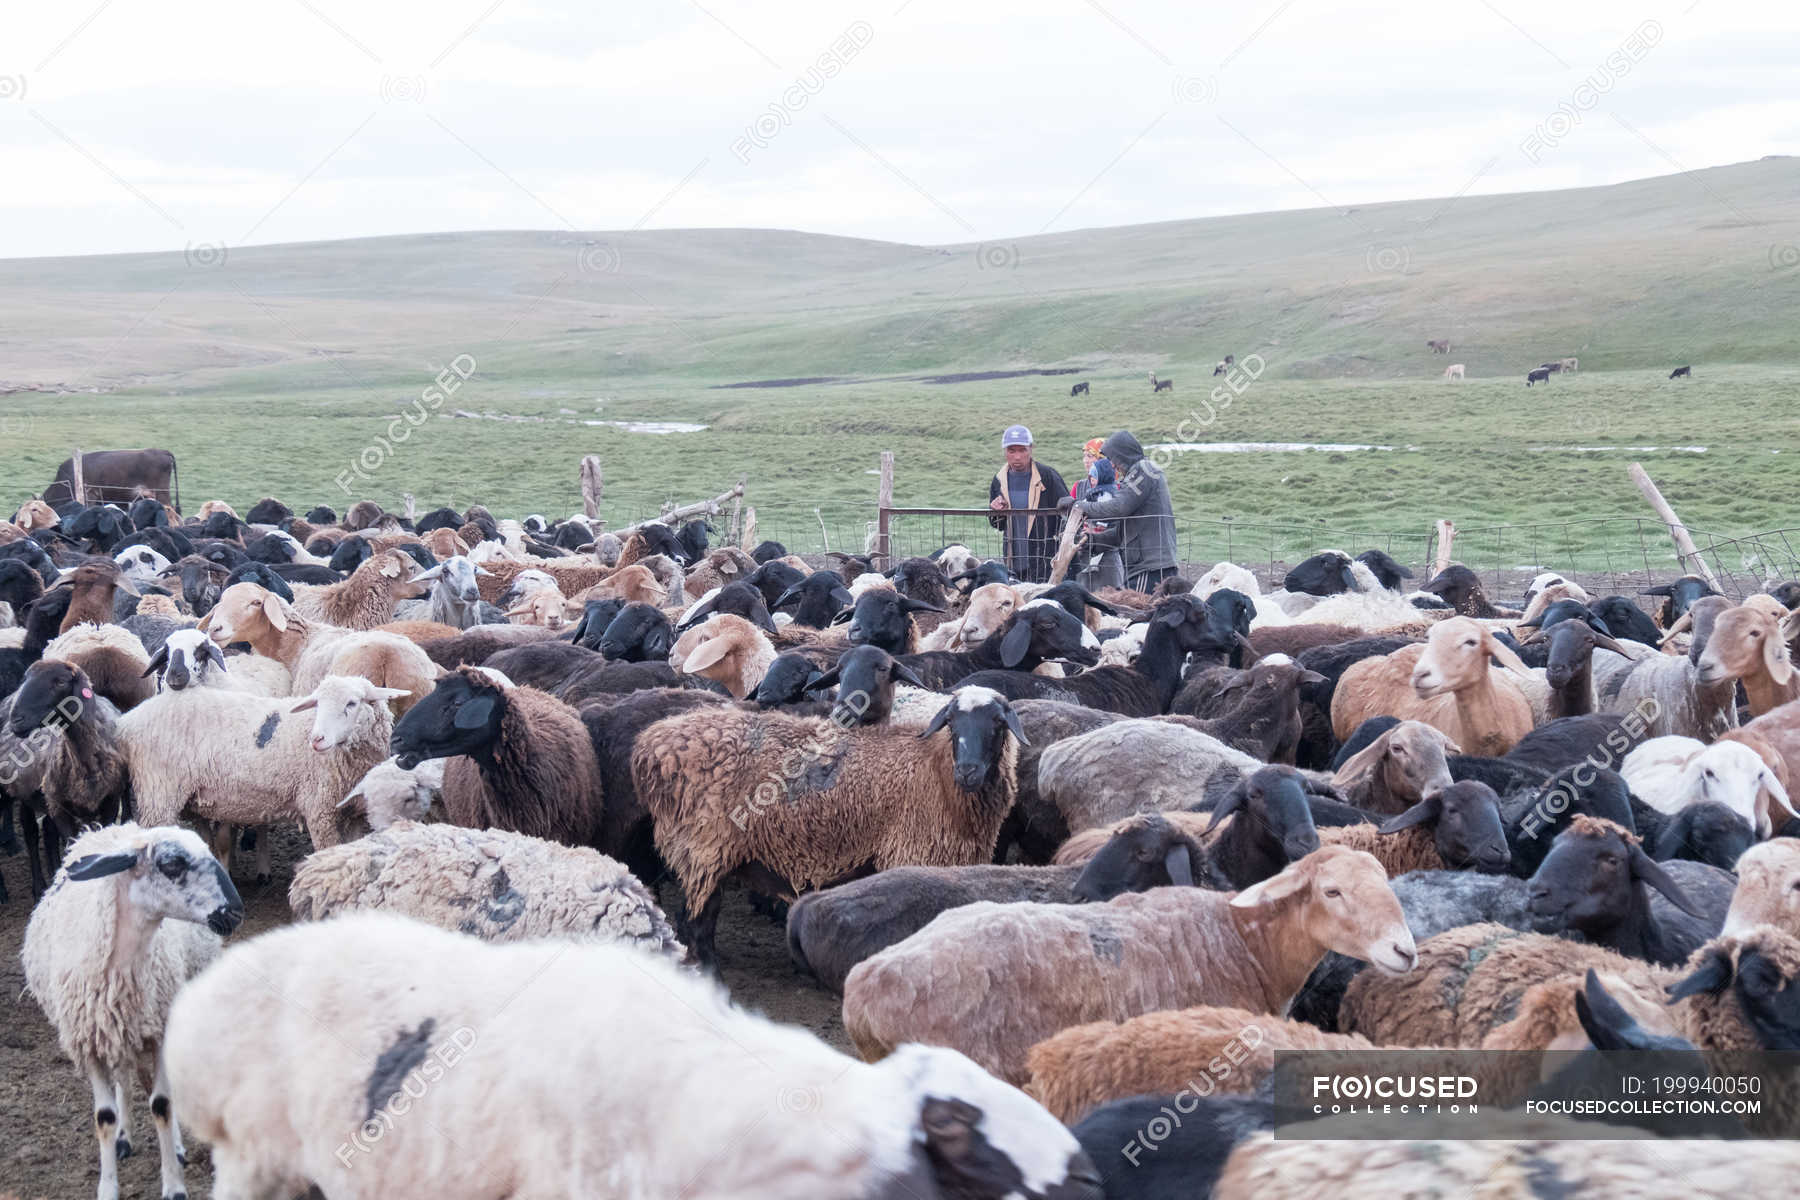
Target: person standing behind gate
1141,503
1024,484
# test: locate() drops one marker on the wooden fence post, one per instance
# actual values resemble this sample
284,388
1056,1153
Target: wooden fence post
1446,532
884,501
734,530
78,489
747,539
1684,545
592,484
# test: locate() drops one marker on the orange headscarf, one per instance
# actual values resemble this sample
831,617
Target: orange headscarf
1092,446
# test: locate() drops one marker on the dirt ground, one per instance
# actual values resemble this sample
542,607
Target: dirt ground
46,1146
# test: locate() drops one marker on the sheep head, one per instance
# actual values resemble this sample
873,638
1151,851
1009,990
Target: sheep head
1456,657
1347,906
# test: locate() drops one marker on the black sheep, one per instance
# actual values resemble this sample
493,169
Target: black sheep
640,633
774,578
262,575
267,511
1387,572
596,615
1324,574
693,540
1678,597
739,599
1625,620
883,617
765,551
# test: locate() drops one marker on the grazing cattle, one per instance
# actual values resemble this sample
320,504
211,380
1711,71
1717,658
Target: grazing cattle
1080,389
1219,369
1541,375
1441,346
1161,385
1682,373
1453,371
1570,364
1552,367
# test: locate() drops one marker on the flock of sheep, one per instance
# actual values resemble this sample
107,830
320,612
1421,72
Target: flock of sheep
1062,855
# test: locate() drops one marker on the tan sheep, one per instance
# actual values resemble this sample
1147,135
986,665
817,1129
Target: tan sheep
1446,683
1205,1049
992,980
251,614
1749,643
1768,890
366,599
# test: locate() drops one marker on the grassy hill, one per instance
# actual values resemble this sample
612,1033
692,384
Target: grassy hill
271,371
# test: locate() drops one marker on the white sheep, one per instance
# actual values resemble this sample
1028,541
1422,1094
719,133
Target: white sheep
1239,579
498,886
141,564
242,759
543,1069
133,914
188,658
1669,773
390,793
455,596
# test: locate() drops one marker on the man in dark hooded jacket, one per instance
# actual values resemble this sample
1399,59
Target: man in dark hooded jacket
1141,503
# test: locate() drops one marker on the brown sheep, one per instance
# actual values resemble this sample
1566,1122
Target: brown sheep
366,599
1225,1049
992,980
1397,770
1768,890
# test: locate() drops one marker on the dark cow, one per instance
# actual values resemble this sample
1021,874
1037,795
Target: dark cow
1162,385
1553,367
1682,373
1438,346
1541,375
113,475
1080,389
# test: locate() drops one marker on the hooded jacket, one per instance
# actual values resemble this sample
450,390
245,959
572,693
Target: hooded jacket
1142,501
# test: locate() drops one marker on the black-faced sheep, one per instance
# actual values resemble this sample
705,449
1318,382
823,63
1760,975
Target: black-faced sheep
520,760
800,803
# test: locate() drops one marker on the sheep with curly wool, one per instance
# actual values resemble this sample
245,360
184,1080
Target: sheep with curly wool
644,1081
1447,683
725,565
364,600
1768,888
253,615
797,803
498,886
1232,1049
233,757
995,979
118,933
727,649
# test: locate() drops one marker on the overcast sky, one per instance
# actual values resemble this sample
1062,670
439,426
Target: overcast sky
130,125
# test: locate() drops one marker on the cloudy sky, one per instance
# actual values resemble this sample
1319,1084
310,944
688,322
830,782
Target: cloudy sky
127,125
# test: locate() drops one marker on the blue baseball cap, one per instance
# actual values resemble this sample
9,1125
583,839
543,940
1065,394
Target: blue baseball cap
1015,435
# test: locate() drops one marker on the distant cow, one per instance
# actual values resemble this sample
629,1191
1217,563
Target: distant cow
1541,375
114,475
1453,371
1552,367
1080,389
1682,373
1162,385
1570,364
1439,347
1220,368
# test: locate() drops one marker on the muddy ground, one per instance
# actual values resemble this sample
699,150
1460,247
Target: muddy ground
47,1149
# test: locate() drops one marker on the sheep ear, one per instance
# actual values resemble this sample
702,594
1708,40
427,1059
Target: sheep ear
828,679
937,722
158,661
1607,1025
908,604
1307,676
1647,870
1777,793
1428,809
1230,803
1016,643
481,570
1274,889
352,798
275,610
1713,973
1359,766
1681,624
1503,652
1179,863
906,674
1012,722
211,649
842,595
1607,642
388,693
705,655
309,702
763,621
98,866
474,714
1775,657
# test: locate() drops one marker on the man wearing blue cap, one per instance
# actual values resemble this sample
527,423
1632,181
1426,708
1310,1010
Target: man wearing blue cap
1020,486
